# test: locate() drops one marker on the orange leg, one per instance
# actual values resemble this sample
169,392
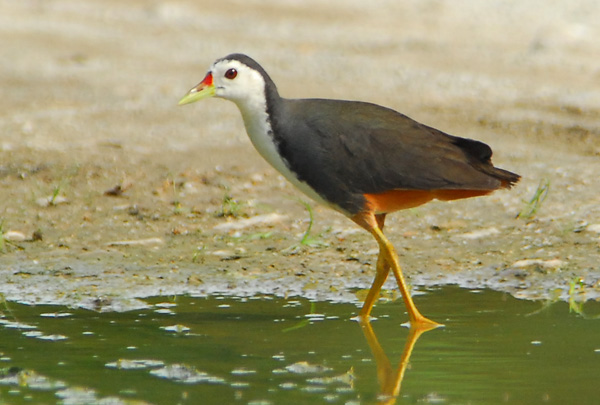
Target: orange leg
383,269
382,272
388,259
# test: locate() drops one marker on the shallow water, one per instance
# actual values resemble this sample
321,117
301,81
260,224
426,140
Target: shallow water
261,350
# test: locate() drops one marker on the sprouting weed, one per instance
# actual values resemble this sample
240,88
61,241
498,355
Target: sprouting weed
55,194
307,239
533,206
2,236
198,256
574,305
230,207
5,307
4,242
177,207
576,287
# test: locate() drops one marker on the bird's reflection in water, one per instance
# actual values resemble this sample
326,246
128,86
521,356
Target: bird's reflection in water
390,379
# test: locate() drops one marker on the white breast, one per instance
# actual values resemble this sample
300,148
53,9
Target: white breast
260,132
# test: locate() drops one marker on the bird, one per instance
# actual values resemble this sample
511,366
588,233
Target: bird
358,158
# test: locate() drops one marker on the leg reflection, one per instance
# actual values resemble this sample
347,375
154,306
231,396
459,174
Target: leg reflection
390,379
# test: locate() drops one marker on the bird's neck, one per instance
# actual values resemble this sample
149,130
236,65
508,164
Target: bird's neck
258,114
256,118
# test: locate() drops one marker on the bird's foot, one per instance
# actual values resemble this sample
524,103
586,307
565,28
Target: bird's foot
423,323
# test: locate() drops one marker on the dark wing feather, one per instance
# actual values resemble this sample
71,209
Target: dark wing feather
346,149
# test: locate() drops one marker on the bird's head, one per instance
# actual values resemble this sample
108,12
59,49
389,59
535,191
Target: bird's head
235,77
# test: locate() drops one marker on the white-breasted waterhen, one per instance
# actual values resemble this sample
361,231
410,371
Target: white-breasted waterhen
360,159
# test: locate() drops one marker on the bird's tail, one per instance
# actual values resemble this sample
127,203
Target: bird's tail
507,179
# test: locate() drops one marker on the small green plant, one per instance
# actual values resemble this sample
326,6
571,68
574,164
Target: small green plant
177,207
307,239
230,207
535,204
576,287
2,245
4,304
198,256
574,305
55,194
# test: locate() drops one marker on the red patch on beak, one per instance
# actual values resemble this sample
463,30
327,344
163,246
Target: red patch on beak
208,80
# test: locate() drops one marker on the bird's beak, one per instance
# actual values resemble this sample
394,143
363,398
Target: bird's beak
204,89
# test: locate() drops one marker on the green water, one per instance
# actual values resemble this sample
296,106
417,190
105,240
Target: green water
494,349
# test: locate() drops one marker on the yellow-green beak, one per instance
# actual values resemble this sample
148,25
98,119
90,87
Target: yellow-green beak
204,89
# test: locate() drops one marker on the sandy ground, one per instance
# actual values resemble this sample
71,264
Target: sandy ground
89,94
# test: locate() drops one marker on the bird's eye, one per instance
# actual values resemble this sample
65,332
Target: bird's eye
231,74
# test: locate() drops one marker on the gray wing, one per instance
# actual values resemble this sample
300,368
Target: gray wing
347,149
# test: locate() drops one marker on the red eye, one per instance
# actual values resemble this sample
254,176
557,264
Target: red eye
231,74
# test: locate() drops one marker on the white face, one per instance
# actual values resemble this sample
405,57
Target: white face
237,82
